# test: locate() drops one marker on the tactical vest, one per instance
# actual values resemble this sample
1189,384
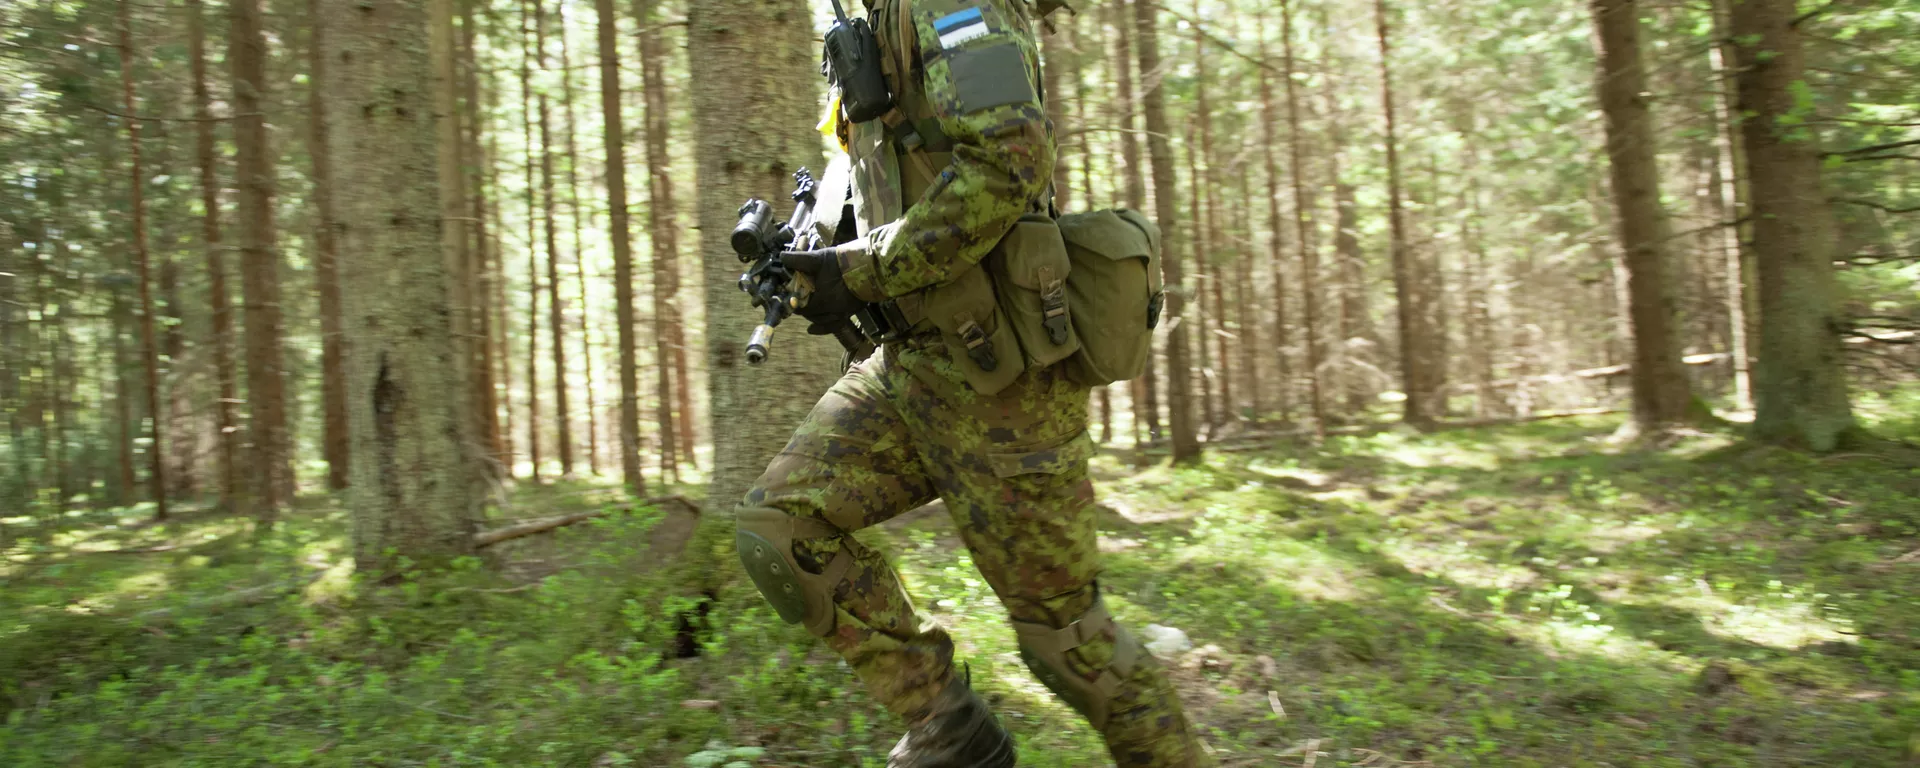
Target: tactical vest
1016,310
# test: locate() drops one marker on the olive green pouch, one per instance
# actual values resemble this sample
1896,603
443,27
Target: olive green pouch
1029,268
976,330
1115,290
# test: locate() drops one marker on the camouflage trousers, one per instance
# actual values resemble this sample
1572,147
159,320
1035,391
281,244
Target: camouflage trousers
903,428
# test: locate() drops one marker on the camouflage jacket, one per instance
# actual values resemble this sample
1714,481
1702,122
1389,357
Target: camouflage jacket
970,107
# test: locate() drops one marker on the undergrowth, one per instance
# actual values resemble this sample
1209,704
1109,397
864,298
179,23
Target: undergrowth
1514,596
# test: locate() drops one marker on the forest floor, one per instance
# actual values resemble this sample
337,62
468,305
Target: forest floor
1524,595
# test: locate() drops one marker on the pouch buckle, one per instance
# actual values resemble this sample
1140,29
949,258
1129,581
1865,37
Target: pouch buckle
978,347
1053,306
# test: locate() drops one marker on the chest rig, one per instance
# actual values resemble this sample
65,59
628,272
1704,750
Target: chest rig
1007,313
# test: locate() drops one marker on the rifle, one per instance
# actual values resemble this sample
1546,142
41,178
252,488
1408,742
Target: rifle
774,288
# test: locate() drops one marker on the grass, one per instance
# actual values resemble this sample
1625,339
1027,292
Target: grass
1513,596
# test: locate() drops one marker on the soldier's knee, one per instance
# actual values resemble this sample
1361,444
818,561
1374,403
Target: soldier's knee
765,538
1044,649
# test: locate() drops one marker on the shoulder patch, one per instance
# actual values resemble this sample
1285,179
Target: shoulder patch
960,26
991,76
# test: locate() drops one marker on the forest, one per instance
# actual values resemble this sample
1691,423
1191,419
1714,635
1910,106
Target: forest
1538,384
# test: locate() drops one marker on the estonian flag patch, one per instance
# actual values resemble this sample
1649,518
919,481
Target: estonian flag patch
960,26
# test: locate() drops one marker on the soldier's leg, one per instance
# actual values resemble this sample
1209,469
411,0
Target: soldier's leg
1013,470
848,466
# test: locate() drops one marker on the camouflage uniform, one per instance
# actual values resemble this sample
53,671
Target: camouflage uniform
905,426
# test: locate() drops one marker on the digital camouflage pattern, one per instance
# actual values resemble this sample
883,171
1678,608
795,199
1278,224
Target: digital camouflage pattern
903,428
992,162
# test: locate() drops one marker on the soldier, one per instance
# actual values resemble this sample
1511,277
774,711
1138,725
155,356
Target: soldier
963,152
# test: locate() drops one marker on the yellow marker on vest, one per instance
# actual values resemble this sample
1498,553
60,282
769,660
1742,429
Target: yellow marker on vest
830,122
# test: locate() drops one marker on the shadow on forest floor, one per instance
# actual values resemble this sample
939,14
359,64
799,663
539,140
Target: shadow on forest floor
1519,595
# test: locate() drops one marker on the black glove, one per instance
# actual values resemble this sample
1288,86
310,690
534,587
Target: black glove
831,303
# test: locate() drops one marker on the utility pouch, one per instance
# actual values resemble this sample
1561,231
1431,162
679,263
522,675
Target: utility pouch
1116,293
1029,267
975,329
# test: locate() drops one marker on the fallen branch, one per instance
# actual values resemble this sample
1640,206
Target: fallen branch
486,539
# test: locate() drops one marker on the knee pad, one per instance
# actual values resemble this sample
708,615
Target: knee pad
1044,650
765,539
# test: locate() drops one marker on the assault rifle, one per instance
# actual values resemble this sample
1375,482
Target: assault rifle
777,290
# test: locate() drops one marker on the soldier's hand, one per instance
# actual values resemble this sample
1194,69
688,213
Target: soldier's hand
830,303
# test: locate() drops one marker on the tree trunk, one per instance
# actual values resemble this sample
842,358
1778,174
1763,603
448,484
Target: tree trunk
1276,240
1203,303
1800,386
1661,395
1309,257
454,227
1415,377
415,489
1146,400
579,250
1730,204
748,148
149,345
556,308
485,253
662,233
502,321
117,322
259,264
15,489
1186,439
326,268
1208,237
615,136
1356,318
533,236
1055,60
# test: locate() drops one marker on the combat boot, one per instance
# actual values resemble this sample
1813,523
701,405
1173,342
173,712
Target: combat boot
960,733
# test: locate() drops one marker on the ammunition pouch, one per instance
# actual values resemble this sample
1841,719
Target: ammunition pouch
1029,267
1116,291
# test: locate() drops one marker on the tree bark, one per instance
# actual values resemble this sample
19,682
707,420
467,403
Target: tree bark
415,490
326,267
527,106
486,253
1415,377
142,259
1800,386
1661,395
614,134
579,249
748,148
663,234
556,307
1203,303
1309,257
259,265
1276,241
1730,204
1186,439
1208,237
454,227
1055,60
